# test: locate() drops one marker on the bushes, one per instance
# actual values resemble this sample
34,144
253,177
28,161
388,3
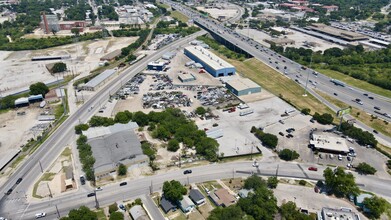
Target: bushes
113,207
86,158
362,137
288,155
147,150
272,182
39,88
97,121
81,127
306,111
268,140
122,170
324,119
365,168
173,145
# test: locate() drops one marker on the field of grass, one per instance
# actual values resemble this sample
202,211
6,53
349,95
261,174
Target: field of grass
100,214
378,124
179,16
355,82
279,85
17,161
45,177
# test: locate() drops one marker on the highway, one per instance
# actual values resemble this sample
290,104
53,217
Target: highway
141,187
294,71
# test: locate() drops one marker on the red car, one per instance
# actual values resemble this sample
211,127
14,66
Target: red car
313,168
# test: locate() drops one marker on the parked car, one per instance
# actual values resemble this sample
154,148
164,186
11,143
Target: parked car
280,133
289,136
98,189
313,168
335,94
187,172
339,157
82,180
123,184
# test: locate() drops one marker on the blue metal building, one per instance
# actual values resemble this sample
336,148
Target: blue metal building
159,66
215,65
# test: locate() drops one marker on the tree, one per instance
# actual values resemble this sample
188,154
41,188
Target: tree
389,164
113,208
268,140
122,170
365,168
116,216
123,117
232,212
81,213
173,145
306,111
75,31
272,182
376,206
324,119
59,67
340,183
39,88
288,155
289,211
200,111
254,182
173,190
81,127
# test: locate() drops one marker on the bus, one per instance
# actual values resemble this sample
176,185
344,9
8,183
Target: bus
337,82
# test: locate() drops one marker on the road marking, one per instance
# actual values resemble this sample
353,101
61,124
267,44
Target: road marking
301,168
21,217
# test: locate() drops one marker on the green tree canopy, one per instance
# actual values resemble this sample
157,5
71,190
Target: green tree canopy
289,211
340,183
39,88
81,213
116,216
173,145
173,190
200,110
288,155
231,212
59,67
365,168
272,182
122,169
376,206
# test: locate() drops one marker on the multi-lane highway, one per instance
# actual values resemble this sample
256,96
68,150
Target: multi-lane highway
306,77
141,187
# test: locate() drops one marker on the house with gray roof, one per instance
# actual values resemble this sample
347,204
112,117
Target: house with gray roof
186,204
243,193
138,213
167,205
196,196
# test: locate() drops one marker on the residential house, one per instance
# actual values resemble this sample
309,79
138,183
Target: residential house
167,205
222,197
186,204
197,196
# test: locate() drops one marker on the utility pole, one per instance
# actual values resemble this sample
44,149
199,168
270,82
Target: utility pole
58,213
96,201
308,76
40,165
50,191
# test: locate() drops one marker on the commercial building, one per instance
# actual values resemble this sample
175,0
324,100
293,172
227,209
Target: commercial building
98,80
242,86
186,77
114,145
330,144
159,66
216,66
342,34
333,214
50,24
280,41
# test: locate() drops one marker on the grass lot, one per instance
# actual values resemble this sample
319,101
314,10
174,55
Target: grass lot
17,161
45,177
67,152
380,125
278,84
234,184
355,82
179,16
101,214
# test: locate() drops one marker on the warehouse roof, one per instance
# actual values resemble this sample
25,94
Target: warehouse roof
102,131
208,57
242,84
100,78
329,143
347,35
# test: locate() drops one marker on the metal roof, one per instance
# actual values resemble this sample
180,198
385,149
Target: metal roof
242,84
100,78
329,143
196,195
208,57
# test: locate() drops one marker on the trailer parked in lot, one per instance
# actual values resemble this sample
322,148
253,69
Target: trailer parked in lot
247,112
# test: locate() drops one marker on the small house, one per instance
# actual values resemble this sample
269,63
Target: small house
197,197
167,205
186,204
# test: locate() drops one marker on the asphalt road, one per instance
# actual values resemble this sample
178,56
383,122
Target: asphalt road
294,71
141,187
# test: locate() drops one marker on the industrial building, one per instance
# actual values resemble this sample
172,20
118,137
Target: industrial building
335,32
342,213
159,66
280,41
330,144
98,80
114,145
25,101
50,24
186,77
216,66
242,86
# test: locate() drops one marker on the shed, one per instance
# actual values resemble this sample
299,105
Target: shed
186,204
138,213
243,193
186,77
168,56
197,196
166,205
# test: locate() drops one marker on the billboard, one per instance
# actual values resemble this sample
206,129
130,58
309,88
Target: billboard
343,112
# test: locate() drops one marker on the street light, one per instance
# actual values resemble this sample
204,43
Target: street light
308,76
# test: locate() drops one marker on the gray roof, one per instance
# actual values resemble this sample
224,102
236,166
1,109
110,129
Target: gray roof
244,192
215,133
186,202
166,204
100,78
138,213
196,195
112,149
103,131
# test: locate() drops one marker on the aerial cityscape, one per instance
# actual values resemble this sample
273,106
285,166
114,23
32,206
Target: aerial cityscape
195,109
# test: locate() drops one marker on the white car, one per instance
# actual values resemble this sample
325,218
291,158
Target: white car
98,189
40,215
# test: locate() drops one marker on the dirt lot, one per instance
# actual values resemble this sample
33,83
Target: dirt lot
216,12
18,71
